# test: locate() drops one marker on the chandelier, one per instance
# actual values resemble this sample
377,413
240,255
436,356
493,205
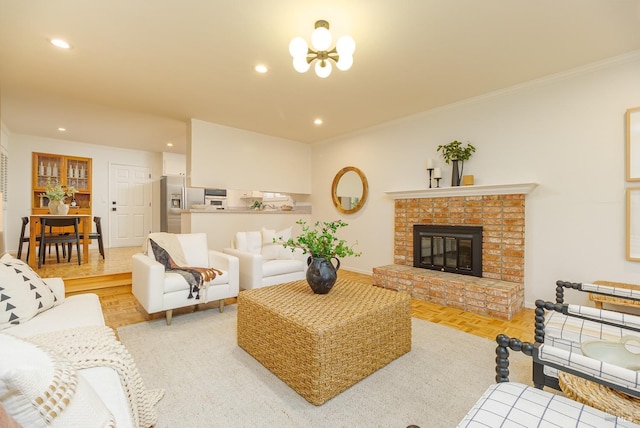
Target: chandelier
303,55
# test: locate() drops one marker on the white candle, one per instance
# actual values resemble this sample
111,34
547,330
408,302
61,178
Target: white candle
429,163
437,173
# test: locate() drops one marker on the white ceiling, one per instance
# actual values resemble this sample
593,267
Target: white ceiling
138,70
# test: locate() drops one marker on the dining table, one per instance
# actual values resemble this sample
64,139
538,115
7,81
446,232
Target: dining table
34,231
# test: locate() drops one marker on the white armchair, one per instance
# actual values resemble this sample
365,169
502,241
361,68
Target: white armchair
158,290
263,263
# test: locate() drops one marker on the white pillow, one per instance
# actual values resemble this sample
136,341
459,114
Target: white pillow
250,242
40,389
23,294
272,251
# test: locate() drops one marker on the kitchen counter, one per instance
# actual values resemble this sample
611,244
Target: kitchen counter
222,225
297,210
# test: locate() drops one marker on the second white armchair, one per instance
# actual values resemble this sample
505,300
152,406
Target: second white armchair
263,263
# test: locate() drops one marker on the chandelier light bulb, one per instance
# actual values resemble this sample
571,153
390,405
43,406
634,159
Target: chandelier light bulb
321,39
321,52
344,62
346,46
298,47
300,64
323,69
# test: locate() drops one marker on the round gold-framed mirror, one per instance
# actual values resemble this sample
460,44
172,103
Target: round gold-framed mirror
349,190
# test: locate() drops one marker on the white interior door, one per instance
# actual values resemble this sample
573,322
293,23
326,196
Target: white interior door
129,205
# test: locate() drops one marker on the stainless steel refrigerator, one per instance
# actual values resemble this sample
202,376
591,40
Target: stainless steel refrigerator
174,198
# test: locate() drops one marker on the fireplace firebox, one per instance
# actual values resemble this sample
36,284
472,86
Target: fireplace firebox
455,249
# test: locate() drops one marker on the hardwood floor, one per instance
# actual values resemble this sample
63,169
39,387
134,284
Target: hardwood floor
110,279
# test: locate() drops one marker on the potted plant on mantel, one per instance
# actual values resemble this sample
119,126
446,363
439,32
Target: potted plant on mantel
56,194
455,152
321,242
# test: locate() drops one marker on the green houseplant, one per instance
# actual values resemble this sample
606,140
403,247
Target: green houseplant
455,152
321,242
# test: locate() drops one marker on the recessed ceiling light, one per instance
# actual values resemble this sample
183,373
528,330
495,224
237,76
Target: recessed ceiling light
61,129
318,121
60,43
169,144
261,68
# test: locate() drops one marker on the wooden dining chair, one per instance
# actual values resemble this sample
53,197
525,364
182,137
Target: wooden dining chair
96,235
25,239
63,239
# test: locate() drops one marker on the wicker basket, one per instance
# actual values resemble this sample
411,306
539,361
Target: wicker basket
600,397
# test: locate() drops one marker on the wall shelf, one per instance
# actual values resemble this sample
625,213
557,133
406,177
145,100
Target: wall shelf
480,190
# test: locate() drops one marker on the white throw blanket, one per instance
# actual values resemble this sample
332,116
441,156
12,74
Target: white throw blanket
97,346
170,243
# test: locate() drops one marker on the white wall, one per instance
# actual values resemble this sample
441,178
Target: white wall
20,149
230,158
565,133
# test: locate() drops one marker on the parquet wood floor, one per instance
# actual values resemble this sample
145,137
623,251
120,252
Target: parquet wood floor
121,308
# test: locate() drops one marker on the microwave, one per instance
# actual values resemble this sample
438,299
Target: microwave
215,198
220,193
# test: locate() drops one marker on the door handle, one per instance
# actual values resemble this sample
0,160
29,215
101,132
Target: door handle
113,209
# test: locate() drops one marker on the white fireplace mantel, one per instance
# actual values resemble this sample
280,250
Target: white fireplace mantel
481,190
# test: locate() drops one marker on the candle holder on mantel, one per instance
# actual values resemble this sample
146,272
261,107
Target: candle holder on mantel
437,174
430,176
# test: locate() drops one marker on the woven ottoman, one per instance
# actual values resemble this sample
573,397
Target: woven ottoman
321,344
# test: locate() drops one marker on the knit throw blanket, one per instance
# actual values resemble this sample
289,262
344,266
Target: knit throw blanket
97,346
169,253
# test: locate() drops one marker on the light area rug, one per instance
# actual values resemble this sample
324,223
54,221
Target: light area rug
209,381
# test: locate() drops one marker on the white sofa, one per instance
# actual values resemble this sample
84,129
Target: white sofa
158,290
263,262
82,310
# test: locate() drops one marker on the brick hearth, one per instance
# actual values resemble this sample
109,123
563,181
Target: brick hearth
500,293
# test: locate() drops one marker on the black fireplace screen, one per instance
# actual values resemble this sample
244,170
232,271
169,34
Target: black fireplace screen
456,249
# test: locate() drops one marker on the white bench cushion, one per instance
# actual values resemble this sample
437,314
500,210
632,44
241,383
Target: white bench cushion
511,404
599,369
562,329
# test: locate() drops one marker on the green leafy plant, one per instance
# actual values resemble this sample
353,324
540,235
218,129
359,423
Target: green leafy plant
56,192
320,240
456,151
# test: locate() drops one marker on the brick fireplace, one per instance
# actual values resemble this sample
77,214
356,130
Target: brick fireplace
500,210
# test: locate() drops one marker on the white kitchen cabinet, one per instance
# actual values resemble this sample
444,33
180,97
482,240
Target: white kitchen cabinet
250,194
174,164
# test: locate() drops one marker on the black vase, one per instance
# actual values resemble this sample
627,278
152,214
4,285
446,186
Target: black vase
322,274
456,175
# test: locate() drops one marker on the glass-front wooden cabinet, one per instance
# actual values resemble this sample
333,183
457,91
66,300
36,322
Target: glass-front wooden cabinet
69,171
